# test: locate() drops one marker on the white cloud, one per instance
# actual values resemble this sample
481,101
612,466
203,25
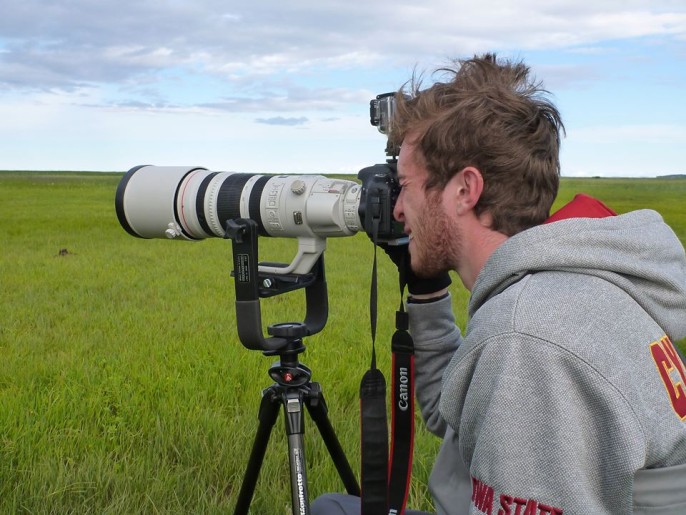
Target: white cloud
639,150
93,83
86,42
640,134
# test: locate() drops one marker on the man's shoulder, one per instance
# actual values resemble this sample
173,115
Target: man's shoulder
571,310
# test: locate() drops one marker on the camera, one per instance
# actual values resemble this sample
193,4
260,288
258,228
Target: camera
380,182
193,203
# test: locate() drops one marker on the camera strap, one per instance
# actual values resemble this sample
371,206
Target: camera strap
385,487
374,429
402,412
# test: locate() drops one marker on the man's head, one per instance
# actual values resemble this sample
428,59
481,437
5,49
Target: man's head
490,116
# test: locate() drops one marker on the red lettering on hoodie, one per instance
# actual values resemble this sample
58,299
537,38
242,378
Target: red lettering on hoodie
483,497
672,373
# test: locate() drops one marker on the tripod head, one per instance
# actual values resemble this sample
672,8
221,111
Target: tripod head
254,281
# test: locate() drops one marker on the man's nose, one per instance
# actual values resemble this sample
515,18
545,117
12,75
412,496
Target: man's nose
398,213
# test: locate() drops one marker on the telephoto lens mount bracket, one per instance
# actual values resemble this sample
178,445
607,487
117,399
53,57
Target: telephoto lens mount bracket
253,281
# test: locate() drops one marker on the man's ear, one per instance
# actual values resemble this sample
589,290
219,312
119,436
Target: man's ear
467,187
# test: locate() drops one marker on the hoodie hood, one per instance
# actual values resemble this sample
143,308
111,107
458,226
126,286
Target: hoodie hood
637,251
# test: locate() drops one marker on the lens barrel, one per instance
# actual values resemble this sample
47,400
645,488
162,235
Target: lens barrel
194,203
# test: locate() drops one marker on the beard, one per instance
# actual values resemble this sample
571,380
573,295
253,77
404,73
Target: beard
435,240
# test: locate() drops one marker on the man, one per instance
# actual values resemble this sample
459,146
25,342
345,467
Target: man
566,394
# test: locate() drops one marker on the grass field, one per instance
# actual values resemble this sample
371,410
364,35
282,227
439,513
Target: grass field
123,386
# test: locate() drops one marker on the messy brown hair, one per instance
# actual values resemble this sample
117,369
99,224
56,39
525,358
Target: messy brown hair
490,115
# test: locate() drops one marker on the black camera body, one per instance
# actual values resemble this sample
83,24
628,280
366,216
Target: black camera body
380,190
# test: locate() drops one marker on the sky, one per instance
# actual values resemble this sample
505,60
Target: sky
284,87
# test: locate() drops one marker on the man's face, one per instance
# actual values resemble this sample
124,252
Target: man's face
433,236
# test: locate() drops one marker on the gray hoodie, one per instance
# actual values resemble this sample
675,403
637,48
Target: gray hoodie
566,394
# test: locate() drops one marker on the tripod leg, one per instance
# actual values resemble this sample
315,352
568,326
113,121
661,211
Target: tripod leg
269,411
295,419
319,413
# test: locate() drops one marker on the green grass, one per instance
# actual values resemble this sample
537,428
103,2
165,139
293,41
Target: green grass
123,386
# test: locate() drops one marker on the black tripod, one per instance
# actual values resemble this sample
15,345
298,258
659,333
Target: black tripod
292,388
